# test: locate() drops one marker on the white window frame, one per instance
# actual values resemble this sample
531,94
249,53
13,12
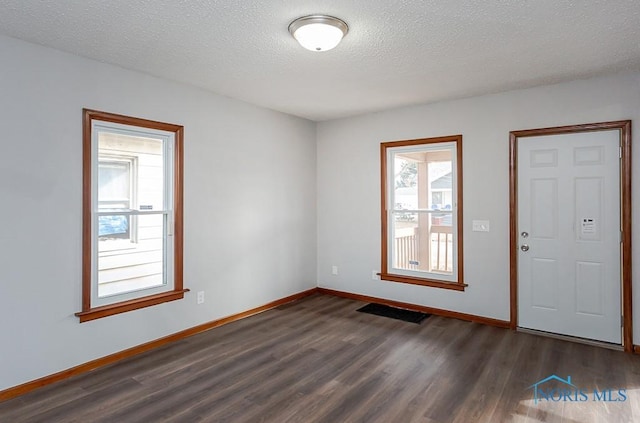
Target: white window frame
168,142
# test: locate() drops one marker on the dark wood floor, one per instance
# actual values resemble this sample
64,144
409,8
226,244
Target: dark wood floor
318,360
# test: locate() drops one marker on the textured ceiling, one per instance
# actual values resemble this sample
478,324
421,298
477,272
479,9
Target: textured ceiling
397,52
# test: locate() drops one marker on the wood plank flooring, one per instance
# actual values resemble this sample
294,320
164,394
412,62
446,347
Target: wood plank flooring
318,360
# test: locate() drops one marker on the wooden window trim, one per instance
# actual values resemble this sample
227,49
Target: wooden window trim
459,285
178,291
124,306
456,286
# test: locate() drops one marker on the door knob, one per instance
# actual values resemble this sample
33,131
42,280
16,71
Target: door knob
524,247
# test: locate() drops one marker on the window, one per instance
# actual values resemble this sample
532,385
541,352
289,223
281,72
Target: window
132,214
422,212
114,192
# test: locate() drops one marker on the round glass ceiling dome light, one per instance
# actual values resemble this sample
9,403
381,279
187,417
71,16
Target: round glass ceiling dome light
318,32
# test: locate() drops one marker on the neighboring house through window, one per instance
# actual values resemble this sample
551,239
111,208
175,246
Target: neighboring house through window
422,211
132,214
115,188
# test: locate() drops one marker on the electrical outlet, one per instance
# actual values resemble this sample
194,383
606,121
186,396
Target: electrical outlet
374,275
200,297
334,270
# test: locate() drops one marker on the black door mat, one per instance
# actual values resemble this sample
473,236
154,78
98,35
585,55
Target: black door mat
394,313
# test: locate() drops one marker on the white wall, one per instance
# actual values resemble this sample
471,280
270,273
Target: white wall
250,199
349,184
250,207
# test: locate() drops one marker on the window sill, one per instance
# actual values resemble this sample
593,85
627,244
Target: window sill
123,307
456,286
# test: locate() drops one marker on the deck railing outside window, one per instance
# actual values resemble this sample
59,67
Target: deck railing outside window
407,247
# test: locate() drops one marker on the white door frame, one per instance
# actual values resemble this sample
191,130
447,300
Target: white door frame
624,127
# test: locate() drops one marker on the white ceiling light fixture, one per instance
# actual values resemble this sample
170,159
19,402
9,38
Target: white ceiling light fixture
318,32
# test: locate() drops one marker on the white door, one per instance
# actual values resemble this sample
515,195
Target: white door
569,234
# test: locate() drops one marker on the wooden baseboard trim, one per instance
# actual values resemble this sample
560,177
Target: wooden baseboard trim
636,349
103,361
430,310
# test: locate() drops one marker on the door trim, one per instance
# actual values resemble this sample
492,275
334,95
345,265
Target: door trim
624,126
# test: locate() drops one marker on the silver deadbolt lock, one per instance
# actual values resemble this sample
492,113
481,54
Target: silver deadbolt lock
524,247
524,234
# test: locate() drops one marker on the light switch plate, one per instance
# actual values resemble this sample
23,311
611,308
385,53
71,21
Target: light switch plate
480,226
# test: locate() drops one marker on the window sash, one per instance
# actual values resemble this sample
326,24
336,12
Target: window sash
391,244
129,212
167,272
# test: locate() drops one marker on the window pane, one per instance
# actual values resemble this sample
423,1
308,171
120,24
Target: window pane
440,185
126,265
114,192
114,183
405,183
139,188
423,180
423,242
